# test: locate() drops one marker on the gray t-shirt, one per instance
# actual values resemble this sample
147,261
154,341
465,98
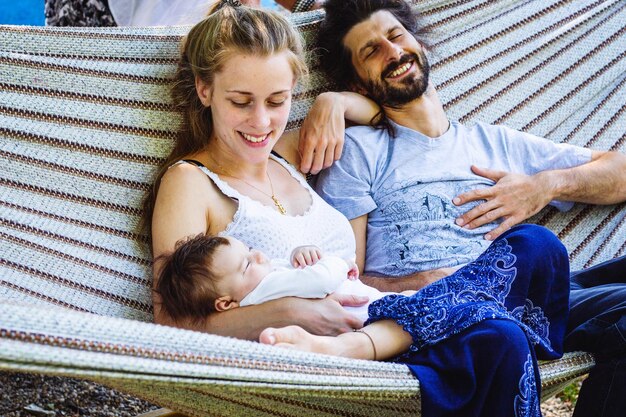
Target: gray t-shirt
407,184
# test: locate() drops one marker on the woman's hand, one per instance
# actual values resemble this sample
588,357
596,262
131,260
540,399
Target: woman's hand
327,317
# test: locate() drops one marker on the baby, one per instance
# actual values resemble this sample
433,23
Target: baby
206,274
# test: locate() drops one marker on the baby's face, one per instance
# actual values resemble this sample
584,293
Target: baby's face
240,267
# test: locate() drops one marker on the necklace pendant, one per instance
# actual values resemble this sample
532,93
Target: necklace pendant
279,206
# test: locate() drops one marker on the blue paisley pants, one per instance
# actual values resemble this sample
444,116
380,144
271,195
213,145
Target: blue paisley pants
477,333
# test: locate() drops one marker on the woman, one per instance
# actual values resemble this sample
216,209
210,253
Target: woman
234,85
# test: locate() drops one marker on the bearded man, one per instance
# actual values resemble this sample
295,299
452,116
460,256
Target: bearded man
426,195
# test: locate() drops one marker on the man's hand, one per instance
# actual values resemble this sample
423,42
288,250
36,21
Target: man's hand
513,198
305,256
327,317
322,133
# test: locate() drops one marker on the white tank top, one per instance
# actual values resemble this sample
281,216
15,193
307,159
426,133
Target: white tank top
275,234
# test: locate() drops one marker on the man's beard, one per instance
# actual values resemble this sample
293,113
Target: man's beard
410,88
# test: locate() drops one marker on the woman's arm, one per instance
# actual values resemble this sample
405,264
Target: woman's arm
320,316
180,211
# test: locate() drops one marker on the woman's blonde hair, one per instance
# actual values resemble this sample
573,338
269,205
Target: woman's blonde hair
226,31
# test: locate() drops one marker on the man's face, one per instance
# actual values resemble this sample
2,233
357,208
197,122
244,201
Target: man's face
391,65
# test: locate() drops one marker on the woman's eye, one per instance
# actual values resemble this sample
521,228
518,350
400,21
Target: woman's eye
276,103
240,104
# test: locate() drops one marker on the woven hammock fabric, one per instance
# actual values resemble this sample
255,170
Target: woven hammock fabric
86,118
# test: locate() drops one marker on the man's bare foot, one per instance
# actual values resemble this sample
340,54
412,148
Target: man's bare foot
295,337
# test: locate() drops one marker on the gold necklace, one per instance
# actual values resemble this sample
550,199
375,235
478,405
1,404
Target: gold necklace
279,206
277,203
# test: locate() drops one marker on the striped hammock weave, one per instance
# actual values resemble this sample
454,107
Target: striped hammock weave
86,118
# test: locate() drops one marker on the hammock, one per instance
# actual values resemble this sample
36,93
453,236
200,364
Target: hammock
85,119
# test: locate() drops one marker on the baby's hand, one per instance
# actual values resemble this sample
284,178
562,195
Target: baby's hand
353,272
305,255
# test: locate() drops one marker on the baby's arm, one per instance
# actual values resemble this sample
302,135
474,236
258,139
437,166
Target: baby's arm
309,255
315,281
353,271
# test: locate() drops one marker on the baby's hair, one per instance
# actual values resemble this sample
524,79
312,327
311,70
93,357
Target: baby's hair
187,283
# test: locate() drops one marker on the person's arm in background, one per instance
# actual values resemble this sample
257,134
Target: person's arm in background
297,6
516,197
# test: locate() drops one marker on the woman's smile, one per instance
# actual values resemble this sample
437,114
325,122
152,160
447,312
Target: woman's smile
255,140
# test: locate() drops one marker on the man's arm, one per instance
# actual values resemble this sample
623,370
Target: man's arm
390,284
319,142
322,132
601,181
516,197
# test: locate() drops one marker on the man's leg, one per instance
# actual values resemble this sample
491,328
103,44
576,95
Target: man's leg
612,271
598,324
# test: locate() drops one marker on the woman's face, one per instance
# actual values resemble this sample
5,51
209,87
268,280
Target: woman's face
250,101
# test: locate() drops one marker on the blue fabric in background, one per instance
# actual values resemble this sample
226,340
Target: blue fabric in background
22,12
31,12
269,4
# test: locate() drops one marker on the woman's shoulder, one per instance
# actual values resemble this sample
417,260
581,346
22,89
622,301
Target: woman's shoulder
187,190
184,178
183,171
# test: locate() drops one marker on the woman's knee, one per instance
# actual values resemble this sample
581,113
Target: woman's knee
501,339
503,331
536,241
